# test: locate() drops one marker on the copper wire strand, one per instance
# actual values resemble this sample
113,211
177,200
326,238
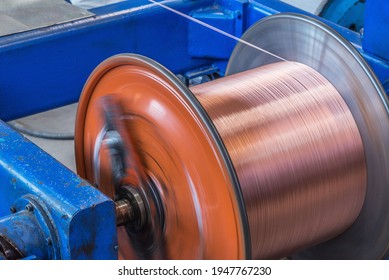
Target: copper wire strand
297,153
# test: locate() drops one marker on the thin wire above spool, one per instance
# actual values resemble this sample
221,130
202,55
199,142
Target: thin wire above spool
297,153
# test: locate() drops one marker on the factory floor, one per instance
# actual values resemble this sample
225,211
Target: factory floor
59,120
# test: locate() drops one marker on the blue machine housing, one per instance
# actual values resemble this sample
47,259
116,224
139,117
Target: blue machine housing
347,13
47,68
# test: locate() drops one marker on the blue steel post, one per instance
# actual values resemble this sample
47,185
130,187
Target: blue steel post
376,35
376,29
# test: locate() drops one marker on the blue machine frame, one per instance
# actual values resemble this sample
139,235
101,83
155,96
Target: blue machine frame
47,68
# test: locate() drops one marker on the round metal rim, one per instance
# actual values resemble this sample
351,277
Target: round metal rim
191,100
369,106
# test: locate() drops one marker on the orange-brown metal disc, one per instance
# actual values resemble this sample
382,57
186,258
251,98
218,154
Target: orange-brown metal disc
179,150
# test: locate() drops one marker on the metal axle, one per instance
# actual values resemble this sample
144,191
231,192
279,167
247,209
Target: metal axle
130,209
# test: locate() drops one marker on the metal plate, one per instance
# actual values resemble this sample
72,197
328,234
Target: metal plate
22,15
180,150
9,25
306,40
313,6
91,4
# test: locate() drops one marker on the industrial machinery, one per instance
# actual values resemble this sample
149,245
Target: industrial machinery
253,130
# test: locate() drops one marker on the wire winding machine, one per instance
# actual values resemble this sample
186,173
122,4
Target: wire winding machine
206,130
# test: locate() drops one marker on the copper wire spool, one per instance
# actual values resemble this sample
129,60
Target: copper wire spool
297,153
264,163
293,144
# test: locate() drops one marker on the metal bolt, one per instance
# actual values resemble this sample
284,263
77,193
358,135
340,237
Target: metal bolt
12,209
116,247
8,253
29,207
48,241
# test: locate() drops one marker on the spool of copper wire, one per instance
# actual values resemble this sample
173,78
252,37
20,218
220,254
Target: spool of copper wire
296,150
293,146
264,163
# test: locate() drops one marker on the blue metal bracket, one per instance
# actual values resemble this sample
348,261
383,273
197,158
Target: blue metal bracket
49,212
206,43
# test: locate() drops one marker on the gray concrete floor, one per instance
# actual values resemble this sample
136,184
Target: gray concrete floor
59,120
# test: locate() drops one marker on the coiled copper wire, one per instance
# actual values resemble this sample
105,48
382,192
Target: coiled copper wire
297,153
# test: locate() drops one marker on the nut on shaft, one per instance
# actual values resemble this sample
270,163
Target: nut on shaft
124,212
